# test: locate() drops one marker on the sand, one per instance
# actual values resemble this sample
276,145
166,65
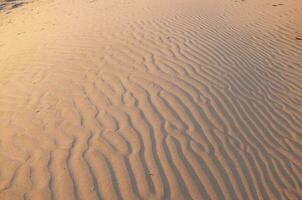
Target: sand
150,99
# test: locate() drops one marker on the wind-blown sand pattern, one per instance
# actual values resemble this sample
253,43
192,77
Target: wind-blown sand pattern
151,99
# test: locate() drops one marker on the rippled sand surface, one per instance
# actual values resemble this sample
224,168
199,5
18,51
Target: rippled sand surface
150,99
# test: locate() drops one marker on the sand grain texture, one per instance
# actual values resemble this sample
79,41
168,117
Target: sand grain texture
151,99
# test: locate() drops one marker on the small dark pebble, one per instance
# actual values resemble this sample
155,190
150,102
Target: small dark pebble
298,38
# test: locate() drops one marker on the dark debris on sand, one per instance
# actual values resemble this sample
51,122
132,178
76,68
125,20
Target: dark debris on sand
6,5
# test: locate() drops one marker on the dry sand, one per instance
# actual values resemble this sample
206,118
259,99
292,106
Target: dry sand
150,99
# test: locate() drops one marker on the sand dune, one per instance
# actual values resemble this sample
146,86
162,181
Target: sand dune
150,99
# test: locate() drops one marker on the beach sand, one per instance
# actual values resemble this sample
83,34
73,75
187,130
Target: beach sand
150,99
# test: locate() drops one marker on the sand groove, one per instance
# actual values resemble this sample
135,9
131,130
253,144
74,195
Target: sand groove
181,105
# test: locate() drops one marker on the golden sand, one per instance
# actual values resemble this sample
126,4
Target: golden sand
150,99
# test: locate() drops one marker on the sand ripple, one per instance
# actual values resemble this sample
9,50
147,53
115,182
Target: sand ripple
184,105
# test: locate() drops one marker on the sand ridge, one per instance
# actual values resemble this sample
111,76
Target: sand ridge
141,99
